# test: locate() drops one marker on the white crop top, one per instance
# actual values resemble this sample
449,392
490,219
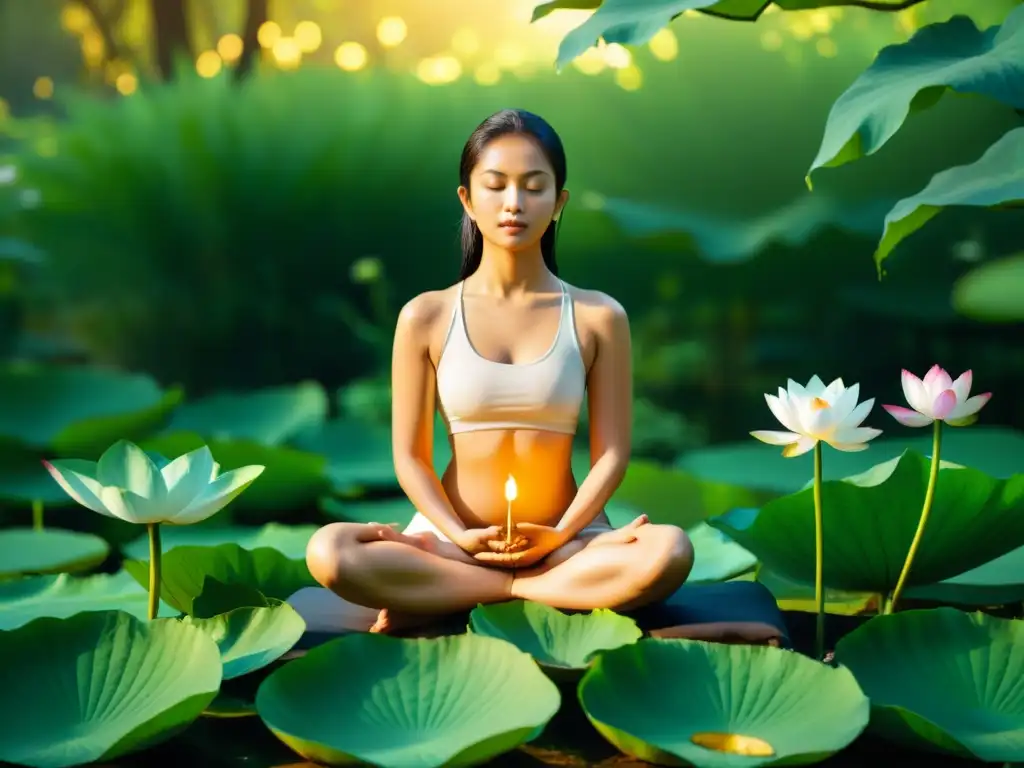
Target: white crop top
475,393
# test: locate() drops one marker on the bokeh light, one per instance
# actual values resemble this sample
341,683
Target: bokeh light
351,56
439,70
208,64
308,36
391,31
43,88
287,53
229,47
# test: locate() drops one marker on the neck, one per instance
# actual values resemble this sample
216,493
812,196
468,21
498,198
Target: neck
504,273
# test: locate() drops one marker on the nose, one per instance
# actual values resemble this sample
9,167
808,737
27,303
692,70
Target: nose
512,204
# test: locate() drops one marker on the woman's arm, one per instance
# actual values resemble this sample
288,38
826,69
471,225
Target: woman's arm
413,386
610,388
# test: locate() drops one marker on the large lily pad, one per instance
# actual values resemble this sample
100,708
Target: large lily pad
100,685
24,480
943,680
457,700
952,55
779,706
289,540
992,292
267,416
716,557
998,582
251,638
792,595
26,551
77,411
870,520
564,645
399,511
60,596
995,179
185,569
293,479
993,450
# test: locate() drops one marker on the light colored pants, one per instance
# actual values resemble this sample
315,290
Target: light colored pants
420,524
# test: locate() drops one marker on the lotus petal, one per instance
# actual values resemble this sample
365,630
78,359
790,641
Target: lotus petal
564,645
100,685
78,479
124,465
217,495
943,680
132,508
741,704
908,417
187,476
371,698
251,638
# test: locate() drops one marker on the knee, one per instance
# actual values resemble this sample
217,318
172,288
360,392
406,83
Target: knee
672,552
330,554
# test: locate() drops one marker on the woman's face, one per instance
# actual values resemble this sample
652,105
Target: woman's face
512,196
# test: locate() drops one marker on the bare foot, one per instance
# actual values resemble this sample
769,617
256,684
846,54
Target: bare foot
624,535
389,621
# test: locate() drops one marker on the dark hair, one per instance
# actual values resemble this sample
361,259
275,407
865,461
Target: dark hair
504,123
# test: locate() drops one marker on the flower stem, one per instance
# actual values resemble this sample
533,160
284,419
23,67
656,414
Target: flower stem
37,515
154,569
929,498
819,558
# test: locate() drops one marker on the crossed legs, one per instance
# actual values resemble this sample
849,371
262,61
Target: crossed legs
420,576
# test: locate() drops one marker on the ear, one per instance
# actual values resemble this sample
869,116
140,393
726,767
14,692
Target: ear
563,198
467,204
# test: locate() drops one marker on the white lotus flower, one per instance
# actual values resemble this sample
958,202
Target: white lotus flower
817,413
938,398
128,485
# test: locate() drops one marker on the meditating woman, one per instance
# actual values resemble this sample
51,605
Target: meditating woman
508,355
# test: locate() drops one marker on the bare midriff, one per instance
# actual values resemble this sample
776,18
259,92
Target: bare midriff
540,462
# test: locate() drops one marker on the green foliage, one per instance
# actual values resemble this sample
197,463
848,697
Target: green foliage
25,551
992,292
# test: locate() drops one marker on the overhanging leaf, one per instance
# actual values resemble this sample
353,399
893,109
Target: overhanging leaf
252,638
995,179
100,685
992,292
953,55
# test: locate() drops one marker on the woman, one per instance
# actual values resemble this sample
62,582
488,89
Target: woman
508,355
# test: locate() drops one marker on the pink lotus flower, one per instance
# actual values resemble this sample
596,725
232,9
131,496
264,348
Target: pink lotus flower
938,398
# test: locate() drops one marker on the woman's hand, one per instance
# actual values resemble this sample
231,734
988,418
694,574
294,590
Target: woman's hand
543,541
475,541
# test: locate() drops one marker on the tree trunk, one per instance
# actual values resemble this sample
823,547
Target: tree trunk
170,34
257,14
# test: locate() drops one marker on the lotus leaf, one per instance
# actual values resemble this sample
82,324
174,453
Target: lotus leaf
292,479
185,569
78,411
218,598
799,596
100,685
399,511
995,179
51,550
975,518
287,539
943,680
716,557
24,480
61,596
993,450
740,10
251,638
268,416
562,644
991,292
997,582
457,700
713,705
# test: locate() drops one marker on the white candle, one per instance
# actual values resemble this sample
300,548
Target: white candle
511,491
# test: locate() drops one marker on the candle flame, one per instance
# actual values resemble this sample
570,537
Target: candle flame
511,491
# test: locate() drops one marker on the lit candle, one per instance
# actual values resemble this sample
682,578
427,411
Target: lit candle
510,493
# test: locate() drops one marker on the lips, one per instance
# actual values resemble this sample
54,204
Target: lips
512,224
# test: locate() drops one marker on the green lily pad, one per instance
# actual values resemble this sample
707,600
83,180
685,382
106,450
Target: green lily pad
943,680
268,416
998,582
218,598
414,703
77,411
293,479
991,292
385,511
794,595
290,540
100,685
975,518
251,638
992,450
675,497
563,645
739,10
227,706
185,569
796,709
995,179
716,557
952,55
26,551
61,596
24,479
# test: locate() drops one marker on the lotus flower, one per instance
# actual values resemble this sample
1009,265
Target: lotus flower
817,413
129,485
938,398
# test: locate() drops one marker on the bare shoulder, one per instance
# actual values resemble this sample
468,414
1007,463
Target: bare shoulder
423,313
598,312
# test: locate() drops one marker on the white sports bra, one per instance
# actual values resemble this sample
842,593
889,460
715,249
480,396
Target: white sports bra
475,393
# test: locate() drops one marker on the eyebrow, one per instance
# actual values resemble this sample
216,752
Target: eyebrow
526,175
